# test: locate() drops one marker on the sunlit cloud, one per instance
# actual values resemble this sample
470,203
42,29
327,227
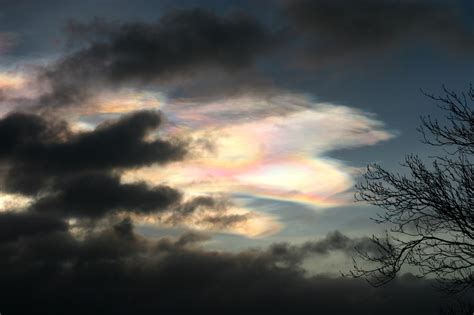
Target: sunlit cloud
21,89
277,149
119,102
11,80
13,202
18,89
234,220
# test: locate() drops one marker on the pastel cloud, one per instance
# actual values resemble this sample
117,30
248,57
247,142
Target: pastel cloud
232,220
273,148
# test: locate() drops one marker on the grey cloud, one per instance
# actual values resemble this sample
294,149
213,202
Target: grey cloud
182,43
39,149
113,273
95,195
334,241
14,225
334,30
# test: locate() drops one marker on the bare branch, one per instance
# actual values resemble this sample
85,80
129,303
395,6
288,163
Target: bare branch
431,208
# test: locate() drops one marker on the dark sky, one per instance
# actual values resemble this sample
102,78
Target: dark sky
201,156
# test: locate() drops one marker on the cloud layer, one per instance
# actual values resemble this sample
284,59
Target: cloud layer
115,271
346,31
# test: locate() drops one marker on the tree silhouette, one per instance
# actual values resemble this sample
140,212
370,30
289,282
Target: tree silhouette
429,208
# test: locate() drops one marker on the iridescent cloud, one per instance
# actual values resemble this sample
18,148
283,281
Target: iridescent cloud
273,148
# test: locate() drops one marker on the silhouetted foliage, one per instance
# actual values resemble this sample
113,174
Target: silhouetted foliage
430,207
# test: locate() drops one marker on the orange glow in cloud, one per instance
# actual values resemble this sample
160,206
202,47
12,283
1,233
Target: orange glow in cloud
254,225
122,102
17,89
11,80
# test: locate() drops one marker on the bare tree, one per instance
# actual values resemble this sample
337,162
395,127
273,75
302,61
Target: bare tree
429,208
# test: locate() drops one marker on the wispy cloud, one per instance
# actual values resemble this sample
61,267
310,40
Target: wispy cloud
273,148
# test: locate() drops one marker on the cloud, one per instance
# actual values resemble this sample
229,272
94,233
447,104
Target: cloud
202,55
198,54
74,172
215,213
134,274
181,44
333,242
346,30
38,148
275,148
78,175
47,248
95,195
14,225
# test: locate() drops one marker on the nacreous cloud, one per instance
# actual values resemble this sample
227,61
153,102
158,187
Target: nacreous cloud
273,148
51,171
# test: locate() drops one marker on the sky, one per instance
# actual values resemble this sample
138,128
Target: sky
201,156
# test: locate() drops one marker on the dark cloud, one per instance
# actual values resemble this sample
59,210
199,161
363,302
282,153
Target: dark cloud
95,195
50,266
181,44
335,29
39,149
14,225
202,55
109,272
191,238
196,203
226,220
338,241
189,207
18,130
78,174
124,228
211,211
112,144
334,241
